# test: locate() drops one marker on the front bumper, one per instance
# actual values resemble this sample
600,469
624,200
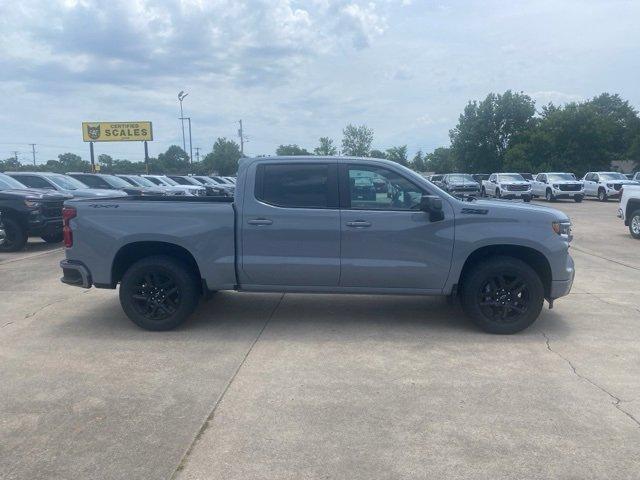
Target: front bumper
75,273
523,194
557,193
560,288
39,226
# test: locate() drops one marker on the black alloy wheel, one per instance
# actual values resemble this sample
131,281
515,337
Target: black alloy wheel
504,298
156,296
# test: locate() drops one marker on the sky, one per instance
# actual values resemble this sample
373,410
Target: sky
294,71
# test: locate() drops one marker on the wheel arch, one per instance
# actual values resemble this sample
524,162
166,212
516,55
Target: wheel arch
130,253
532,257
632,205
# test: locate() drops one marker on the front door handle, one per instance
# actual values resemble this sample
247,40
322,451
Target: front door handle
359,224
260,221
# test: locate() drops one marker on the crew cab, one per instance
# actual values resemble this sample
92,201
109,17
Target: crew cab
605,185
629,209
506,185
555,185
29,212
304,224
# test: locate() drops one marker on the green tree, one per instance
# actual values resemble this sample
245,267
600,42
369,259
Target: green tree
174,160
9,164
398,155
377,154
326,147
291,150
105,161
357,140
223,159
486,129
70,162
418,162
439,161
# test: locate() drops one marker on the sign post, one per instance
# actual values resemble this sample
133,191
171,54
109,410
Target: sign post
117,132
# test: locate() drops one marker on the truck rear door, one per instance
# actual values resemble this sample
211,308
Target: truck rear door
291,225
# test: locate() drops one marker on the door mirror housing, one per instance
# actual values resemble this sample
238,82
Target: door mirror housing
432,204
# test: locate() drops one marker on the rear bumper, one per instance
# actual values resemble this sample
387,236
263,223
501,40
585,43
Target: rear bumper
75,273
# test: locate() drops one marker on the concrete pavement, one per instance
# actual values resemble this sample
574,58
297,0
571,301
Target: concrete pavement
261,386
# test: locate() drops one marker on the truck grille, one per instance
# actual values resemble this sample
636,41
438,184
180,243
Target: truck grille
617,186
469,188
52,209
573,187
517,188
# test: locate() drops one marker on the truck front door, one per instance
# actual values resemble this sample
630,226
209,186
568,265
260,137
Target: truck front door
387,241
291,225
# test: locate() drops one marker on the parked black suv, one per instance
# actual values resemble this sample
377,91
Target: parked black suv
29,212
111,182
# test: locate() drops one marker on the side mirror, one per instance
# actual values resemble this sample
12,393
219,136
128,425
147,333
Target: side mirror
432,204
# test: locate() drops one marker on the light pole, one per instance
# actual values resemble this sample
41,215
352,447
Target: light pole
190,144
182,96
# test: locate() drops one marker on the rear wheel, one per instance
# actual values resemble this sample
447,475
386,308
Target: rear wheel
634,224
16,236
159,293
53,238
602,195
502,295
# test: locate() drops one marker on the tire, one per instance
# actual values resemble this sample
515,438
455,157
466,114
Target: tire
634,224
159,293
526,199
602,195
16,236
483,192
578,198
498,193
548,195
53,238
502,295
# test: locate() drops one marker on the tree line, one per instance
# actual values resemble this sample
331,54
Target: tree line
503,132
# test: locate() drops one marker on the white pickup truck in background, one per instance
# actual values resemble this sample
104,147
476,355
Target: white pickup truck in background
506,185
629,210
555,185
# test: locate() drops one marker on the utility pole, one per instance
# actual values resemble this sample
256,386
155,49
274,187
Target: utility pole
33,151
15,154
197,154
181,97
241,135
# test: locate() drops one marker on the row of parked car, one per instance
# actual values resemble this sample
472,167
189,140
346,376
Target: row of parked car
31,202
548,185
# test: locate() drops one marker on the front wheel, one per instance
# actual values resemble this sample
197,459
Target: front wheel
634,225
498,193
16,236
502,295
159,293
577,199
549,196
602,195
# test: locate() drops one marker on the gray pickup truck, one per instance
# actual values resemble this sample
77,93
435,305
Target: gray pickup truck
321,225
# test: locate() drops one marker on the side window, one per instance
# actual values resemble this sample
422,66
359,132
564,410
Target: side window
595,177
93,182
587,177
33,182
492,178
296,185
543,178
375,188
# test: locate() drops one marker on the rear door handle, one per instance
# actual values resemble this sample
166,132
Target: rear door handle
359,224
260,221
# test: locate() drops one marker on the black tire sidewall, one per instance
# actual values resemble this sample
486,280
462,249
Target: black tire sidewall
53,238
577,199
19,233
635,213
185,280
604,195
501,265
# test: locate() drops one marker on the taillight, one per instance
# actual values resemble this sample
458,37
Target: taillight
67,214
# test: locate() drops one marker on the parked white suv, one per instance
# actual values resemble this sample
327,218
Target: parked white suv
554,185
506,185
629,210
605,184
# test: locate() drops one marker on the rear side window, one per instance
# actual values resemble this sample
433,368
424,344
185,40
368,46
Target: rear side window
297,185
33,182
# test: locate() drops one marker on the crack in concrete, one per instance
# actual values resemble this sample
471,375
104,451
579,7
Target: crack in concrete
37,311
208,420
617,401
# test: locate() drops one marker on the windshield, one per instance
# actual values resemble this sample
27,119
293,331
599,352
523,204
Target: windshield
510,177
7,183
205,180
168,181
612,176
66,183
141,181
556,177
116,181
461,178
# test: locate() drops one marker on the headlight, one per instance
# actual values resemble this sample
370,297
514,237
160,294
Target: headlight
609,185
556,186
563,229
32,203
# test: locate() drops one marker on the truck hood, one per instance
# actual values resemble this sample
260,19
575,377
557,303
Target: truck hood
566,182
516,207
95,192
514,182
467,183
35,194
621,182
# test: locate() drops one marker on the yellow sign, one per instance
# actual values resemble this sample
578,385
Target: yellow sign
116,131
